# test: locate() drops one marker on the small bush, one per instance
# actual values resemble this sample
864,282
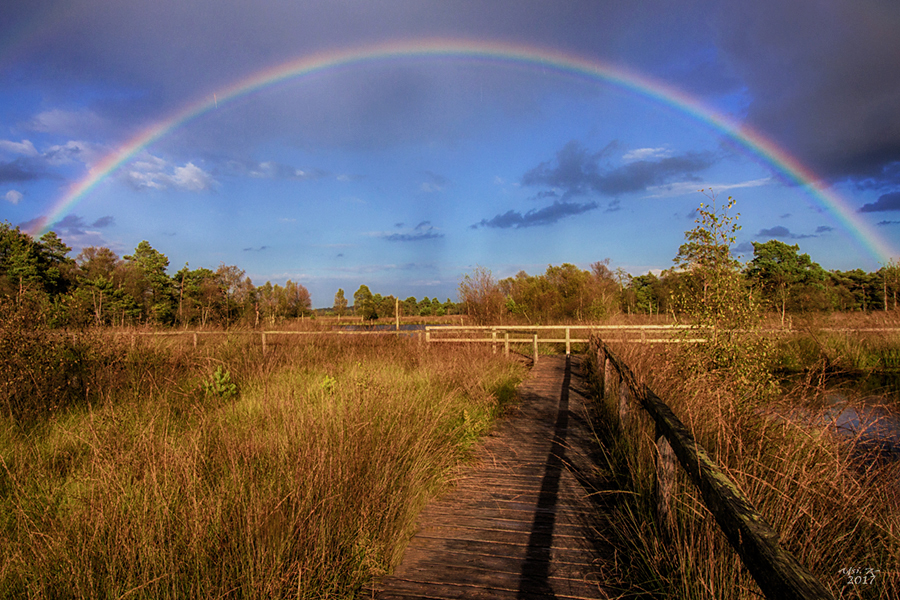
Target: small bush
220,384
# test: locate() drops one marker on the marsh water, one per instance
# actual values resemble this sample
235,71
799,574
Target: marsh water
863,409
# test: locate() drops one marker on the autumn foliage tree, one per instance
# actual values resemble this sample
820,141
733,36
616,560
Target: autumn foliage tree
481,297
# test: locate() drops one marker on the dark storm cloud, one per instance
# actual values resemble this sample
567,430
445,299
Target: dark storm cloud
822,78
423,231
169,52
886,202
32,224
577,171
17,171
639,175
824,229
73,224
103,222
782,232
435,179
817,76
536,217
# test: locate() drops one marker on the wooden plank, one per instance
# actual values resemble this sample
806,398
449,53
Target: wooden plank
520,523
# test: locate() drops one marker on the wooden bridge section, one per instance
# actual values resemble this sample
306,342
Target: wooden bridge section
525,520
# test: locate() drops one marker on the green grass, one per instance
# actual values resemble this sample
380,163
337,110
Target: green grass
305,484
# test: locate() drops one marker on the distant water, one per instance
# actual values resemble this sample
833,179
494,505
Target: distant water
381,327
869,421
859,410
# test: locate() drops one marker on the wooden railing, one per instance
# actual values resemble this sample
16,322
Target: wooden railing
491,334
264,335
776,571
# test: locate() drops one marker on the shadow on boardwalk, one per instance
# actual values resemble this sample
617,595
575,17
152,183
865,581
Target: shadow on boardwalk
524,521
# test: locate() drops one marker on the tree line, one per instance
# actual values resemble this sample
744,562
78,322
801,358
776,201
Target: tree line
778,278
371,306
99,288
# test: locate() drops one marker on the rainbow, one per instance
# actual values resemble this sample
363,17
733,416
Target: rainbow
754,142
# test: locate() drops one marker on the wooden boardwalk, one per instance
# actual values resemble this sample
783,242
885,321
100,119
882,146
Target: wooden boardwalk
522,522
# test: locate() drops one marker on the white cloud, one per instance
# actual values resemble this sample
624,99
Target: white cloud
71,151
647,154
150,163
13,196
141,180
192,177
692,187
24,147
67,122
430,188
153,172
264,170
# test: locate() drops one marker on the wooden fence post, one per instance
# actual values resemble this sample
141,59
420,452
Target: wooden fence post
601,376
665,483
427,336
777,572
624,404
568,343
534,343
506,343
607,377
195,339
494,341
264,343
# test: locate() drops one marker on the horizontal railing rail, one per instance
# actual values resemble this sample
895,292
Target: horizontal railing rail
777,572
489,334
263,334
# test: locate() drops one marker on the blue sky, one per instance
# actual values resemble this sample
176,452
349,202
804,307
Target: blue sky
405,174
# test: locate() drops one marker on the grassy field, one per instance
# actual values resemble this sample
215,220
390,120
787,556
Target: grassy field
154,470
836,506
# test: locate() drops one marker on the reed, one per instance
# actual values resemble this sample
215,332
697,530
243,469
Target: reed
835,506
302,484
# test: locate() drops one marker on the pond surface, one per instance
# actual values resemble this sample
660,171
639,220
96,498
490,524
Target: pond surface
381,327
863,409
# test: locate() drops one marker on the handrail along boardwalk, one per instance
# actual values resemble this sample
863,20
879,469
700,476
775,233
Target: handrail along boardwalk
777,572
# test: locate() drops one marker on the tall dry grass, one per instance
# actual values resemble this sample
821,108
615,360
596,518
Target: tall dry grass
303,485
834,507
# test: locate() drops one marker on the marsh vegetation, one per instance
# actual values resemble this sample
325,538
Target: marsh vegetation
156,470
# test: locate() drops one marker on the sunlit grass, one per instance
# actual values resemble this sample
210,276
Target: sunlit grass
304,485
833,506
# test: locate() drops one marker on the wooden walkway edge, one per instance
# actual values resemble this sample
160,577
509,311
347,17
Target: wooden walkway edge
522,521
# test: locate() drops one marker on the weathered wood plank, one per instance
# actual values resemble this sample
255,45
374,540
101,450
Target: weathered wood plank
520,523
